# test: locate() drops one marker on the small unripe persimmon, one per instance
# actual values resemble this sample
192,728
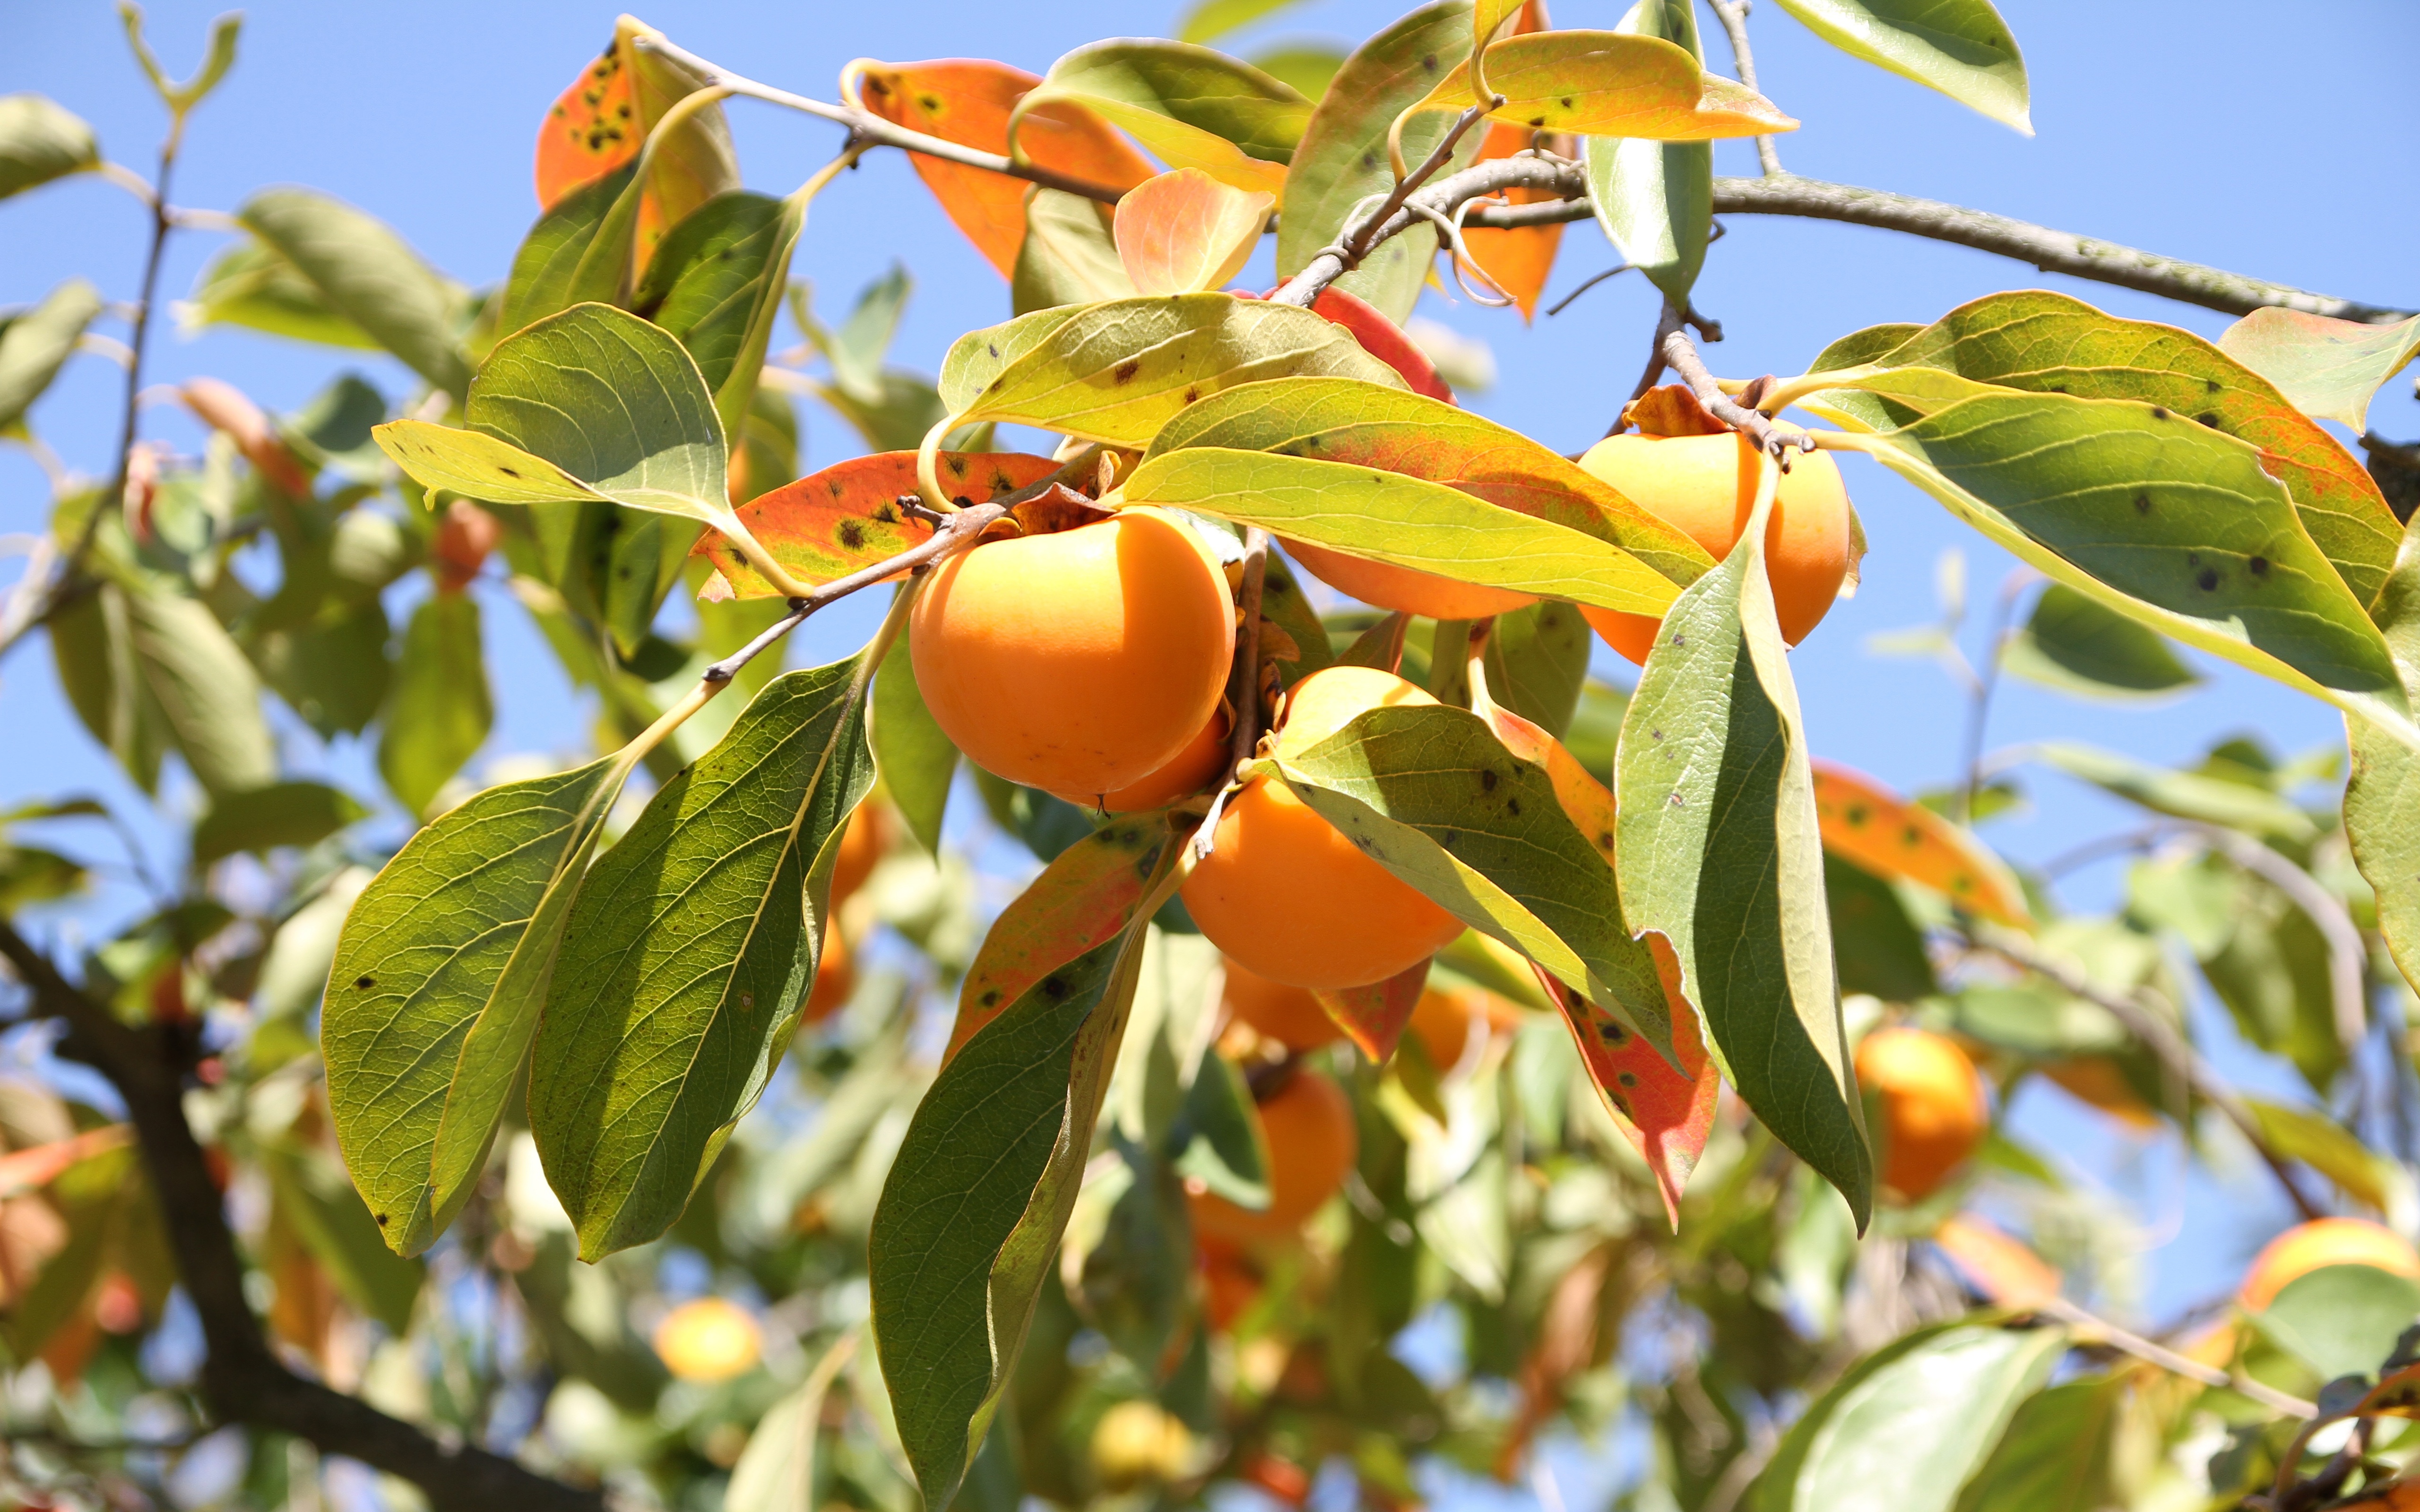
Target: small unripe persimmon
1387,586
2324,1241
1706,486
1274,1010
1932,1108
1079,662
1139,1443
1284,891
708,1340
1187,772
1313,1144
464,538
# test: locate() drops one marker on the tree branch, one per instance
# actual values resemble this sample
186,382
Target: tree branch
1443,197
1676,352
244,1381
1733,14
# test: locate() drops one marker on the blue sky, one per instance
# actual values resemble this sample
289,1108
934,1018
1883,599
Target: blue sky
2268,140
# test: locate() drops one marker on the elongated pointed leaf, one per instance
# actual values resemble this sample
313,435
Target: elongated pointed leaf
776,1473
1867,824
1404,521
845,516
2195,796
1434,797
1374,1016
2077,645
544,268
2329,369
1721,856
1960,47
2384,789
968,102
440,711
2048,343
689,956
434,995
40,141
1191,107
262,819
370,275
2056,1452
1656,200
981,1189
1342,160
716,281
1118,372
251,284
1610,83
37,343
204,688
1338,420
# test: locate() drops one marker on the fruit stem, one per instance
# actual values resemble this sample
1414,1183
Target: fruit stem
1675,351
1243,683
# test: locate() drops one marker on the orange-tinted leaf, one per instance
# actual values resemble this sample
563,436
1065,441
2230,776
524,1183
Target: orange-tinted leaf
1382,339
968,101
832,523
591,130
1184,231
1999,1267
24,1170
1611,84
1670,409
1082,900
1866,823
602,120
1517,261
1372,1017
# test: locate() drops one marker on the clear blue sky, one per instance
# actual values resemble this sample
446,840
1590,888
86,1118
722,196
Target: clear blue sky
2271,140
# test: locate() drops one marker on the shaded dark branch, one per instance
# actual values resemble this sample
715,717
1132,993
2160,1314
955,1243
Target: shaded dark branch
244,1381
2158,1035
1443,197
2052,250
1733,15
1680,354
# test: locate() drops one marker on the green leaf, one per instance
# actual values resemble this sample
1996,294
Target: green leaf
40,141
312,1194
981,1188
2078,645
1720,854
1537,660
35,343
2309,1135
1209,20
2056,1452
2341,1320
689,955
2383,791
1338,420
250,285
856,349
181,98
1911,1425
915,758
1284,605
2161,519
541,281
1218,1139
776,1473
441,712
435,992
1342,160
1067,257
1404,521
369,276
1434,797
262,819
2046,343
92,651
1960,47
1117,372
2209,800
2329,369
205,689
1188,106
903,407
1309,68
716,281
1656,200
332,672
1877,946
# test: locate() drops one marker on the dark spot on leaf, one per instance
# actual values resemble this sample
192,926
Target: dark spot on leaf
1605,842
1055,986
1627,1078
1486,780
1512,806
2193,558
2208,578
1567,101
1428,63
381,1220
886,515
834,488
1369,160
1191,394
1126,372
852,534
2142,504
1537,120
2208,418
507,471
2260,567
1610,1032
1447,837
990,996
2211,384
364,983
957,466
2160,411
994,351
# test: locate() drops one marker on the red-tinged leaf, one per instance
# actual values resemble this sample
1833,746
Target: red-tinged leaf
1999,1267
1372,1017
591,130
27,1170
832,523
1081,901
2327,368
1184,231
968,101
1866,823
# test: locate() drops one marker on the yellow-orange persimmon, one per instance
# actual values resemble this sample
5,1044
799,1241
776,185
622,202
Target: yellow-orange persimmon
835,977
861,845
1308,1123
1079,662
1186,773
1275,1010
708,1340
2324,1241
1932,1108
1229,1285
1408,589
1706,486
1445,1019
1286,892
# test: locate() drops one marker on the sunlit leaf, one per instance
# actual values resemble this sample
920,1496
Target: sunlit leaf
35,343
591,128
694,162
40,141
2209,800
1960,47
1307,68
1656,200
369,275
968,103
776,1473
1069,256
1184,231
2341,1320
2383,791
1865,823
1188,106
689,955
1374,1016
2326,368
1609,84
250,285
205,689
716,281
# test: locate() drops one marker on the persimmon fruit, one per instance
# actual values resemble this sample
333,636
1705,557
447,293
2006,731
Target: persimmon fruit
1288,894
708,1340
1705,486
1184,775
2320,1242
1445,1019
1387,586
861,845
1308,1123
1078,661
835,977
1275,1010
1139,1442
1932,1108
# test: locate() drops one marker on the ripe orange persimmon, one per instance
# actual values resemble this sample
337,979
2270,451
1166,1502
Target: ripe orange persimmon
835,977
708,1340
861,845
1230,1283
1706,486
1932,1109
1079,662
1287,893
1389,586
1289,1015
1313,1145
2324,1241
1186,773
1444,1021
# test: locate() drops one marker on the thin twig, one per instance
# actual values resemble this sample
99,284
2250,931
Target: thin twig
2158,1035
2175,1364
1565,302
1445,197
1244,684
1978,711
1673,344
1733,14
